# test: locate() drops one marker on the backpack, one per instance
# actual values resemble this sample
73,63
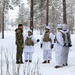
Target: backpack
29,42
68,38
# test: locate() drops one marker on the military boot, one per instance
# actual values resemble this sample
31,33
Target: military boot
20,62
66,64
17,62
44,62
26,60
58,66
48,61
63,65
30,60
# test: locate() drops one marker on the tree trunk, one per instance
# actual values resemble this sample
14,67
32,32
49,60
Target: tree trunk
31,15
64,12
3,19
0,22
47,10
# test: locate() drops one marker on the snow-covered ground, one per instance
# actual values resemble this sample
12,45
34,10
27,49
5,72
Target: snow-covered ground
8,58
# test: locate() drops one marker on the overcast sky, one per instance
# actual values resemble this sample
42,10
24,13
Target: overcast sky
12,14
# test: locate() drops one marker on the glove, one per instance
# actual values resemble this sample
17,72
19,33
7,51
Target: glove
38,40
41,45
69,45
52,46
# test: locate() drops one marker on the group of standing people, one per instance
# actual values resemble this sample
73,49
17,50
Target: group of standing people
61,40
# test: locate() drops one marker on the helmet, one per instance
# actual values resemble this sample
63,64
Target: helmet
59,26
30,30
47,27
64,26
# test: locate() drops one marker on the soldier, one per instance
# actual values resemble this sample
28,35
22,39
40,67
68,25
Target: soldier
59,47
47,45
19,43
29,42
67,41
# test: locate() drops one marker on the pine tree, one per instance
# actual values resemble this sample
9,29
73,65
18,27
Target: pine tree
31,15
5,5
47,12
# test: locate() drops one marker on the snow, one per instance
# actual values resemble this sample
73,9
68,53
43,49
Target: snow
8,48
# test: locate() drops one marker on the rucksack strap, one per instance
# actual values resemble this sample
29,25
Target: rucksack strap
63,36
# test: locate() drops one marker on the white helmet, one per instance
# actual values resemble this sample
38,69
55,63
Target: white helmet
30,30
47,27
59,26
64,26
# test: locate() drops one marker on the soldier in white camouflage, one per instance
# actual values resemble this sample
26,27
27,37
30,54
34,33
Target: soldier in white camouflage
47,42
29,42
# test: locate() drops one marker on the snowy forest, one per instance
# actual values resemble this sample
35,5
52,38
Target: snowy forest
50,12
34,15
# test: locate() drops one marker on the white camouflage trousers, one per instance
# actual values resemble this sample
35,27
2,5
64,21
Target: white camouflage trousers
28,55
47,55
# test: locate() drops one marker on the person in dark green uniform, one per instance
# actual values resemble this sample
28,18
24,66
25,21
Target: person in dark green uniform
19,43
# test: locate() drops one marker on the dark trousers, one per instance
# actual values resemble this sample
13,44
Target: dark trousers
19,55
